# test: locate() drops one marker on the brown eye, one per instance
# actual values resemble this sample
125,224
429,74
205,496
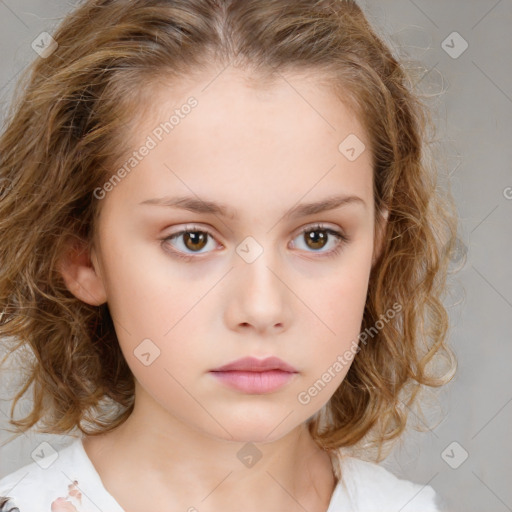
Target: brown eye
190,242
316,238
195,240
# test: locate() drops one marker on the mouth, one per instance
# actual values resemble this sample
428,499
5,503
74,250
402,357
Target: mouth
255,376
254,382
253,364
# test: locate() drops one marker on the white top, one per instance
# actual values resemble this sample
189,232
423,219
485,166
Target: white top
364,486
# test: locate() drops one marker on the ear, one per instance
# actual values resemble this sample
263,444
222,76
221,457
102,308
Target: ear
380,231
79,268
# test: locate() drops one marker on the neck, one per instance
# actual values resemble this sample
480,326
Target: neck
174,463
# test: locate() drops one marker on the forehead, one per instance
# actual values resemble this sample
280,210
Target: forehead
250,139
232,98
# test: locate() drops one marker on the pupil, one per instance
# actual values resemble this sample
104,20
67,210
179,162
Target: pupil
195,239
319,240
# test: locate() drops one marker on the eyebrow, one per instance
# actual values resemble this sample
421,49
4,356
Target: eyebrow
196,205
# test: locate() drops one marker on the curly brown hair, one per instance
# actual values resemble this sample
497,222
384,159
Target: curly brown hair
68,127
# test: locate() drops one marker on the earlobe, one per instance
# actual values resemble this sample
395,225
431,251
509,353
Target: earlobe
80,271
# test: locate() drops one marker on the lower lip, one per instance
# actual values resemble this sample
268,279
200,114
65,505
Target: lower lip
255,382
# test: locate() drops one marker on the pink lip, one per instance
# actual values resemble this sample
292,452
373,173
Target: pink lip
252,364
256,376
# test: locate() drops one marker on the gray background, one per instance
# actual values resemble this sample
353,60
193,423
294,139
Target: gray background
471,97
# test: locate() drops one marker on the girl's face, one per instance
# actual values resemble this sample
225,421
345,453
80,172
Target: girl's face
227,272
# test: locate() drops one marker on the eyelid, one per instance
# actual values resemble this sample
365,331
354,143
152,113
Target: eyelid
191,228
310,226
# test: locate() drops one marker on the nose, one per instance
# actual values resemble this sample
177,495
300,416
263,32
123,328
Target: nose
259,298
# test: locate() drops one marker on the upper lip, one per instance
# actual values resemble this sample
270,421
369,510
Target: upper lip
252,364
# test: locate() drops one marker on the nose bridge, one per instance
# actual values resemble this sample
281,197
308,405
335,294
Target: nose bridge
257,261
260,295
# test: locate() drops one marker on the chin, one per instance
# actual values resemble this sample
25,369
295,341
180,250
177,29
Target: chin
254,428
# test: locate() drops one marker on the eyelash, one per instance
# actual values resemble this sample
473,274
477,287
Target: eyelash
342,240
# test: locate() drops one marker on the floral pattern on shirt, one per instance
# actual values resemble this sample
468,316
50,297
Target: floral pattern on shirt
6,505
72,502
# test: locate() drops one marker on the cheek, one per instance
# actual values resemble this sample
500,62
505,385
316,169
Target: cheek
340,299
347,302
154,307
343,313
146,293
339,304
